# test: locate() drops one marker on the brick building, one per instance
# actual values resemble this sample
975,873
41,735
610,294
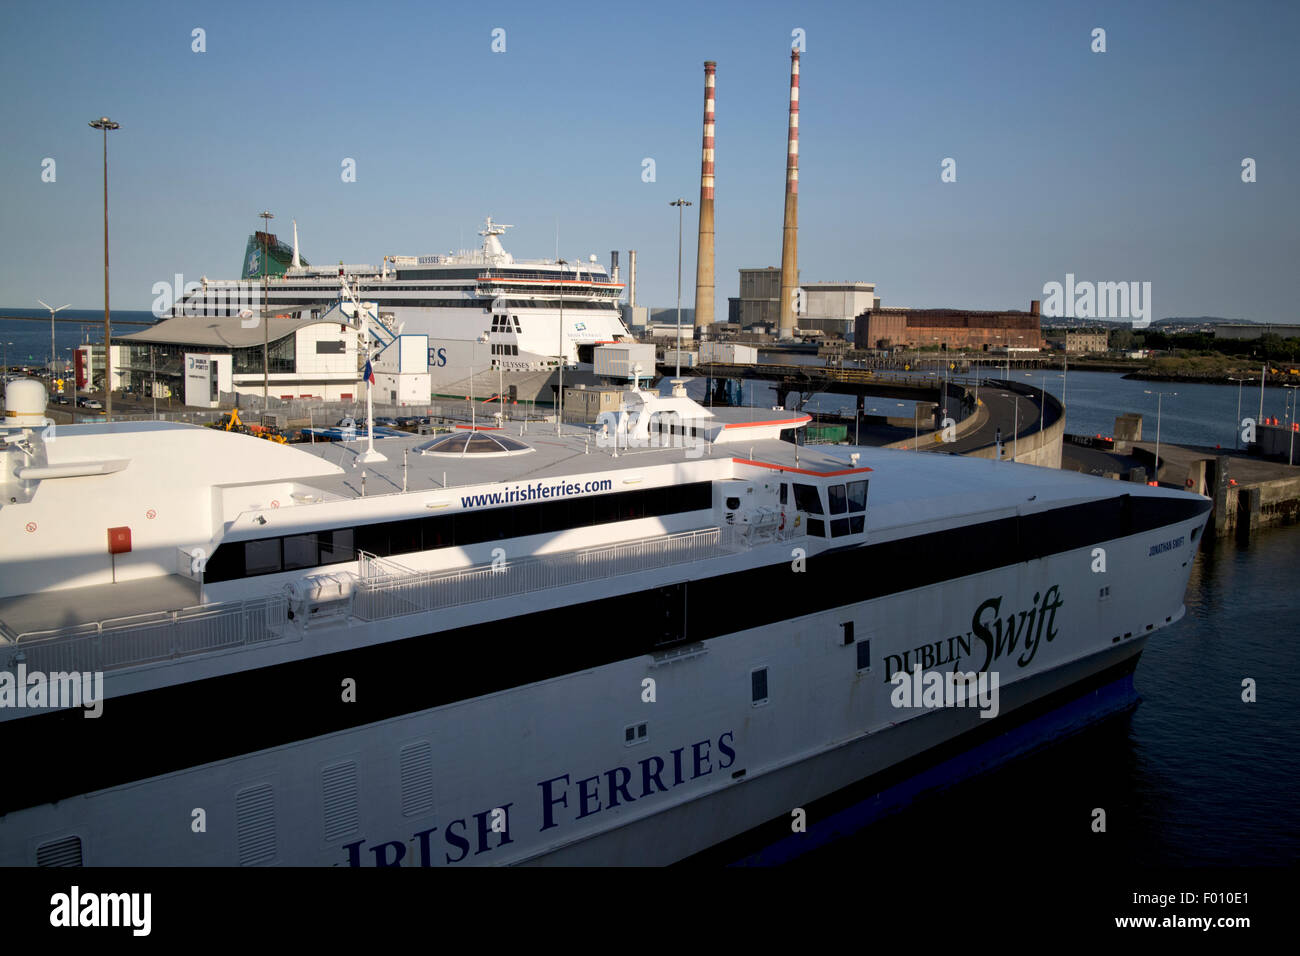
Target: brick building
958,329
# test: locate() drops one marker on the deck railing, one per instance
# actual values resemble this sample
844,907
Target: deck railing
380,597
146,638
383,589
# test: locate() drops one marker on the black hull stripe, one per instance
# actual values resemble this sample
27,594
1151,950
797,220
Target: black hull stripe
60,753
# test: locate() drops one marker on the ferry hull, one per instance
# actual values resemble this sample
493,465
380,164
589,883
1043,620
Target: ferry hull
937,752
544,773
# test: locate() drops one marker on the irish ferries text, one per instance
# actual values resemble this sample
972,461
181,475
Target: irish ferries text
562,800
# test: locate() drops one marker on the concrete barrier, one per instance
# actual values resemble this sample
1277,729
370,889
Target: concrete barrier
1039,448
926,439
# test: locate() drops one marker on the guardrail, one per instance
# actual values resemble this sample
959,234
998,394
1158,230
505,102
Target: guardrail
147,638
384,590
382,597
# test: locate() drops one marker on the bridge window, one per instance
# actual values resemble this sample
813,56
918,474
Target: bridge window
852,498
807,498
857,495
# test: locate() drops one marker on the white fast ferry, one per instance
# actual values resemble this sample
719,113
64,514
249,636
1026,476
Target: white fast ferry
661,639
493,322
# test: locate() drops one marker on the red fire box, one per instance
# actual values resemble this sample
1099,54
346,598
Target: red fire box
119,540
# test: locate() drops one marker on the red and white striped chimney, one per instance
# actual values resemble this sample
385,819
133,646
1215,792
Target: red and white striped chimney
704,251
790,233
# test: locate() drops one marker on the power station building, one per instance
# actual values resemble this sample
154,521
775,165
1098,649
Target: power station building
760,296
828,307
949,328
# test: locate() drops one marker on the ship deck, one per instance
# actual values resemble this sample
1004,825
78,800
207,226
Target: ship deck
909,491
72,607
575,451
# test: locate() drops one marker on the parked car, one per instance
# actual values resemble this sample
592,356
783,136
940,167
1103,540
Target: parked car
91,403
62,400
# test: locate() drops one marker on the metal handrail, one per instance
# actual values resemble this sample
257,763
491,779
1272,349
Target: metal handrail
392,596
150,637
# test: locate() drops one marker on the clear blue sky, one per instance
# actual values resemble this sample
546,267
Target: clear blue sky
1116,166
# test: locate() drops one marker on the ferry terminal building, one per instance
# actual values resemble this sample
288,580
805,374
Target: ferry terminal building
202,358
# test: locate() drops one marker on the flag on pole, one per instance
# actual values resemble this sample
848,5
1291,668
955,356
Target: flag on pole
368,374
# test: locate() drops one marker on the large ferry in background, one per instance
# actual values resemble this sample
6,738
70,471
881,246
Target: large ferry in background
493,322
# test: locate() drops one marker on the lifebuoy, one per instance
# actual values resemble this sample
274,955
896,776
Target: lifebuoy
1190,483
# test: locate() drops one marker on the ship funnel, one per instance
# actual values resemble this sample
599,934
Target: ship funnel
631,278
704,250
790,232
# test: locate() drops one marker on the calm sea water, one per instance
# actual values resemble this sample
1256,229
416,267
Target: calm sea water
28,343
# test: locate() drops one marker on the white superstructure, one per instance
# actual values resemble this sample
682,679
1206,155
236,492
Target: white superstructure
492,321
626,644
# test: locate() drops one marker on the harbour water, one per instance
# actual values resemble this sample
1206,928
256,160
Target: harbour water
28,343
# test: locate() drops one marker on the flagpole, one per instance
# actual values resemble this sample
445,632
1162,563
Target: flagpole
370,454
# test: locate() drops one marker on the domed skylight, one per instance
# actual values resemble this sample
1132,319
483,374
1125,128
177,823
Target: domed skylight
472,442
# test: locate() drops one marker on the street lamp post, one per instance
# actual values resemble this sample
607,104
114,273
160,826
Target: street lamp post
266,218
1290,454
559,405
104,124
679,203
53,357
1236,425
1065,380
1263,377
1015,433
73,413
6,347
1042,402
1159,399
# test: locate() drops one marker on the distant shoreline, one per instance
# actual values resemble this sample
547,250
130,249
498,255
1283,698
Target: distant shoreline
1208,378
